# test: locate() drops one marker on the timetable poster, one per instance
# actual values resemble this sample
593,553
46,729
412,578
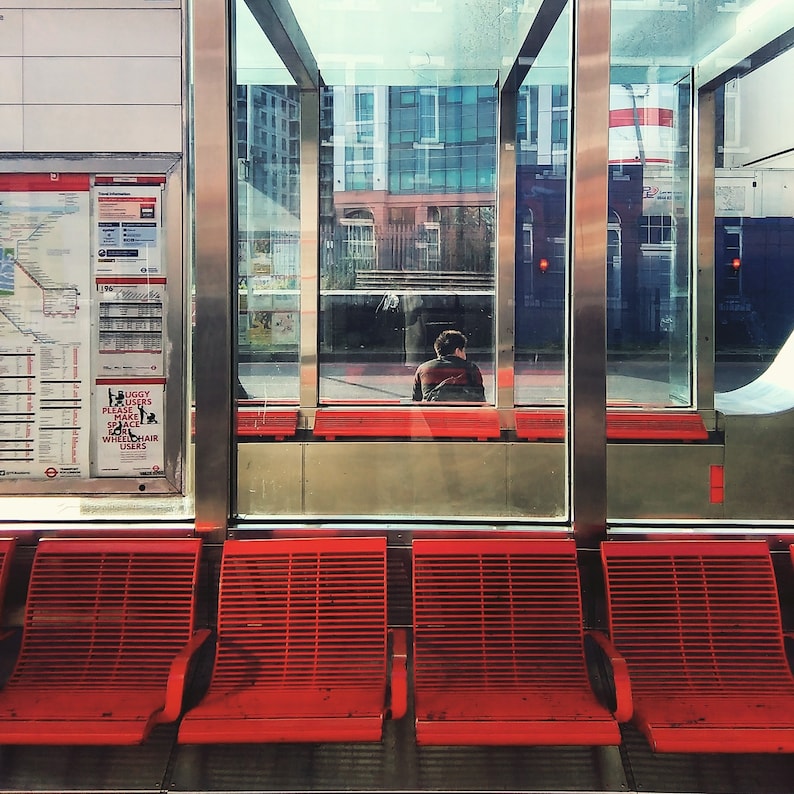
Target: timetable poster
129,417
131,318
128,231
45,281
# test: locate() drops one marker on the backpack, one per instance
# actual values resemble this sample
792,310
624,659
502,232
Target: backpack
461,390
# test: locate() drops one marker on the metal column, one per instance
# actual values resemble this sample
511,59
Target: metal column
588,240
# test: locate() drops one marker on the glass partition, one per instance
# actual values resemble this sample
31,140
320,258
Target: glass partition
754,243
406,233
658,50
267,115
648,262
541,248
268,241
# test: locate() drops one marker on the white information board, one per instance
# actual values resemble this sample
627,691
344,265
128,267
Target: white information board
128,345
128,229
129,425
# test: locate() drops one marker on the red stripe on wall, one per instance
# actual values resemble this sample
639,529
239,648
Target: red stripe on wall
38,183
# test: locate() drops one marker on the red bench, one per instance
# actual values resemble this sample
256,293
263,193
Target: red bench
621,425
107,638
542,425
302,650
499,646
263,422
417,421
650,426
698,624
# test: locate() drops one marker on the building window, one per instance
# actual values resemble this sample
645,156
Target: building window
656,230
428,115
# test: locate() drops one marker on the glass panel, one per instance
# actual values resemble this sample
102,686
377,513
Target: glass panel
268,241
648,258
656,46
267,113
402,264
754,243
542,138
426,42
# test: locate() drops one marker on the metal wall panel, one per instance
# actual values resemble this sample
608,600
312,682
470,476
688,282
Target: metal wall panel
269,479
402,479
662,481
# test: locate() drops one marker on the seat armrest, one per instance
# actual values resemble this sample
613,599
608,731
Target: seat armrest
624,707
176,677
398,704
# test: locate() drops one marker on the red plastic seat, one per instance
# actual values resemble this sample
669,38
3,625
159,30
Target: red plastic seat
698,624
7,547
621,425
499,646
649,426
415,421
302,650
107,638
263,422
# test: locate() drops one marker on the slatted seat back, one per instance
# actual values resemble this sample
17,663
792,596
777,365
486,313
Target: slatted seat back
7,547
497,615
107,613
307,613
701,616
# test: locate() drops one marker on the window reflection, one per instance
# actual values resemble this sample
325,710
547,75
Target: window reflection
268,242
753,245
406,233
647,278
541,251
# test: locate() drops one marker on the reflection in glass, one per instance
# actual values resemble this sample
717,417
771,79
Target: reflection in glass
648,260
542,140
407,178
268,241
754,244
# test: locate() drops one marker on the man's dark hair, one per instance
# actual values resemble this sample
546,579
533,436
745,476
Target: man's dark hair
448,342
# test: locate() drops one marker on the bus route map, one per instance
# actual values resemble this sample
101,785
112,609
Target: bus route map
45,386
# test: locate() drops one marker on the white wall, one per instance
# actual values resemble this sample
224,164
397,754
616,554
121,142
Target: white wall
90,76
765,117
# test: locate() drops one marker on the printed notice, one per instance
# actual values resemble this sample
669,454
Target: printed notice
130,327
44,326
129,428
128,229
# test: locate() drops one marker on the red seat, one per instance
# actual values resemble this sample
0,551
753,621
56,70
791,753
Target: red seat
7,547
541,425
621,425
302,645
262,422
660,426
499,646
107,638
698,623
415,421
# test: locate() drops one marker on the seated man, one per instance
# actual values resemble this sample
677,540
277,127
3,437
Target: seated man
449,377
